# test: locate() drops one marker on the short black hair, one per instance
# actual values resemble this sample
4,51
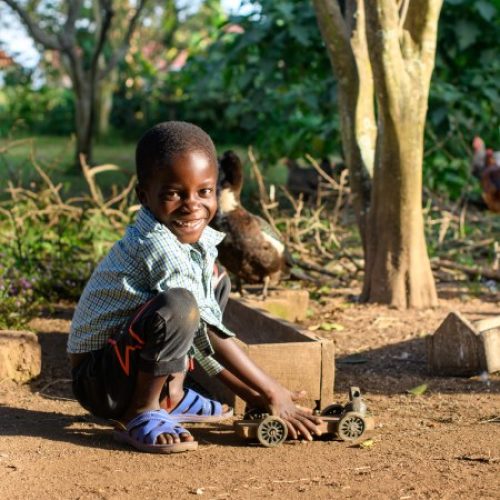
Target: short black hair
162,143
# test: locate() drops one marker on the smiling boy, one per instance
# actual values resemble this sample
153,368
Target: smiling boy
151,306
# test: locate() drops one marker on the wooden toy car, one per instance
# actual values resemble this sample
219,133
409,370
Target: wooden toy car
346,422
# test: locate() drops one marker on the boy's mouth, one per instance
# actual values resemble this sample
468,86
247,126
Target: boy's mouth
188,224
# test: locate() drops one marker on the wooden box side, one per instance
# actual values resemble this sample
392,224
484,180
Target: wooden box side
256,326
297,366
298,359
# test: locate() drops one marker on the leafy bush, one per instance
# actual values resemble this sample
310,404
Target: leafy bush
44,110
18,302
50,244
266,81
464,96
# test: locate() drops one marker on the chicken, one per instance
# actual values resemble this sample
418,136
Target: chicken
479,156
302,181
486,167
305,181
490,182
251,249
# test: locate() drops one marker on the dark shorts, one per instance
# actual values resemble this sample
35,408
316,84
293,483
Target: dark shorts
156,340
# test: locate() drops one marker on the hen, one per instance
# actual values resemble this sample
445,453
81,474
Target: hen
486,167
251,249
306,181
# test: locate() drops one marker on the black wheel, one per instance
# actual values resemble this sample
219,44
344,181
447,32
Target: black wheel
351,426
334,410
272,431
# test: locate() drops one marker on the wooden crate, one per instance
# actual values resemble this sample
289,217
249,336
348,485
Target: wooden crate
298,359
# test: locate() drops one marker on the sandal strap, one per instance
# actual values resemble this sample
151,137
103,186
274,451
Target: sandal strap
147,426
194,403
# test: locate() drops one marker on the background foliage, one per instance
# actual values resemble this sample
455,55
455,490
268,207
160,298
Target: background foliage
261,79
264,79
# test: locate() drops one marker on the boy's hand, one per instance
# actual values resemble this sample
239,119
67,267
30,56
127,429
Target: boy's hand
300,421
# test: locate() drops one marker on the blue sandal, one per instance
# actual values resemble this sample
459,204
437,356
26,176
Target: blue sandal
193,407
143,430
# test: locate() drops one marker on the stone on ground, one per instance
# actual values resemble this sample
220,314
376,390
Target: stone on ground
20,355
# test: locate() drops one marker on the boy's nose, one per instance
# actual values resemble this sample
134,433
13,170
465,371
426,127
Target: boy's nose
191,202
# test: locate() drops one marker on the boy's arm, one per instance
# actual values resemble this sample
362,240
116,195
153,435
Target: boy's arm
250,382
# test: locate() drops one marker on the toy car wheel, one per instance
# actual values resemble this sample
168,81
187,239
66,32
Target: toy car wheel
334,410
351,426
272,431
255,414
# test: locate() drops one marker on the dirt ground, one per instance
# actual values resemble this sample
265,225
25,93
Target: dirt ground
444,444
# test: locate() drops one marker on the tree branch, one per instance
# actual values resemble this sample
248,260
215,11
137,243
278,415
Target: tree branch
422,20
106,6
336,37
422,24
74,8
40,36
382,29
122,49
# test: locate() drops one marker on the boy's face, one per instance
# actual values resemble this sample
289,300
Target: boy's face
183,195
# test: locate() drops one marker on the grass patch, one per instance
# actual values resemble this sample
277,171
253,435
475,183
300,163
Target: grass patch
55,155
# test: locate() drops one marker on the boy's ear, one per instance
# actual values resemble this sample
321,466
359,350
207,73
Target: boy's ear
140,193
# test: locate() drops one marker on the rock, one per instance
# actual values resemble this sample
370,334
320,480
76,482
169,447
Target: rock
20,355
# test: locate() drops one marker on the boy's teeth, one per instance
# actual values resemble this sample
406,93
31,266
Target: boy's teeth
186,223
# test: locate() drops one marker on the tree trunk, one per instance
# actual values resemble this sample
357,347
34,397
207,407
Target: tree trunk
105,103
401,48
397,267
84,72
84,121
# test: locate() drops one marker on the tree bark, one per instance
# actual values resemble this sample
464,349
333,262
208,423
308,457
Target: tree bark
397,43
347,49
401,50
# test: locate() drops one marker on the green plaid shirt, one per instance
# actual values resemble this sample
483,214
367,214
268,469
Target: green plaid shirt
147,260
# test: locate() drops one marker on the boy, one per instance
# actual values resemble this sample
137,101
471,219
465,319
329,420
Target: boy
150,307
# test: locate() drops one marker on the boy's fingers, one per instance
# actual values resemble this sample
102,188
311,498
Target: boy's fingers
303,430
298,395
307,413
291,429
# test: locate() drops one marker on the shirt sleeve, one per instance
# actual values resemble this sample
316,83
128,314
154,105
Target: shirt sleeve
203,351
209,364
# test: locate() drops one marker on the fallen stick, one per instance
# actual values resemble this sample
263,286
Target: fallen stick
469,271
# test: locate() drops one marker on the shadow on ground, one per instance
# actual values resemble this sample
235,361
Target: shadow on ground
88,431
399,367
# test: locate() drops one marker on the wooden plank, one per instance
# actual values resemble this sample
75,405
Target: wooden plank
254,326
292,356
327,373
297,366
487,324
455,349
491,344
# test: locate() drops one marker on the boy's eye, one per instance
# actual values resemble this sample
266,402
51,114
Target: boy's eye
206,192
170,195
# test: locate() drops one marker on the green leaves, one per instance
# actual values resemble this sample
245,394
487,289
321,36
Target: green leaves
464,94
467,33
419,390
486,9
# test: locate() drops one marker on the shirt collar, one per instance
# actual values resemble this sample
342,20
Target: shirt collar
146,223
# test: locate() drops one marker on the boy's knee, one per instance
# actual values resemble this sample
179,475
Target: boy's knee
179,304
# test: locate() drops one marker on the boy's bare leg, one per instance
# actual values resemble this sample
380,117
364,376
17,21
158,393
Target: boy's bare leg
279,399
146,397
